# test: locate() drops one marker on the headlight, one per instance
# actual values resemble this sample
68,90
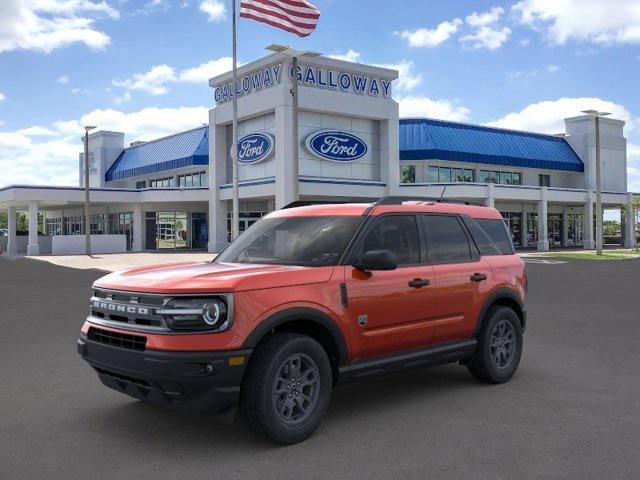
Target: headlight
197,314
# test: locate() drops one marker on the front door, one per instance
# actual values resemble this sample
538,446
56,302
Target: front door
390,310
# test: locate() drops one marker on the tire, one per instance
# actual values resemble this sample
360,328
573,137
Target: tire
274,400
499,347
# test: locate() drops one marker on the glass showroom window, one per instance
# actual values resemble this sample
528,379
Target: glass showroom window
98,223
189,180
54,226
142,184
408,174
447,174
514,223
162,182
504,178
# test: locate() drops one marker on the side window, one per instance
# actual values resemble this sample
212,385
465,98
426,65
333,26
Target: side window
398,233
448,242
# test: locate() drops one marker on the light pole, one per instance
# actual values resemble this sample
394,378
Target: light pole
294,54
596,114
87,218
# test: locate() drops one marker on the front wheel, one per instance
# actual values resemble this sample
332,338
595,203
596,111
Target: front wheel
287,388
499,347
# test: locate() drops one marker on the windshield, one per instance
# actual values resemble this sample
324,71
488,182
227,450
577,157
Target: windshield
305,241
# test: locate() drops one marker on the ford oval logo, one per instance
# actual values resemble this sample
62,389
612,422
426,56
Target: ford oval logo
255,147
336,146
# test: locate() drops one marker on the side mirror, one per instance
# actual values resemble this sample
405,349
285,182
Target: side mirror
378,260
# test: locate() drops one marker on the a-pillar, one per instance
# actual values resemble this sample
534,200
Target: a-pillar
589,242
489,201
12,244
138,220
629,223
543,237
32,247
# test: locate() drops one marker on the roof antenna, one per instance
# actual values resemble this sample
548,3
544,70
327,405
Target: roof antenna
442,194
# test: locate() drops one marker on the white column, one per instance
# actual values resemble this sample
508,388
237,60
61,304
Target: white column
589,242
33,247
490,200
543,240
12,245
218,209
390,153
629,224
283,156
138,220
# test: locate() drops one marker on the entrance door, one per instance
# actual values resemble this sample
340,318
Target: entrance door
389,312
554,229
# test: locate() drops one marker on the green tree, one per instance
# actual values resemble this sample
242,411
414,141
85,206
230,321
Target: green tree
3,220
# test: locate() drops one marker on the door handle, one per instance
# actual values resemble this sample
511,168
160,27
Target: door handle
478,277
418,282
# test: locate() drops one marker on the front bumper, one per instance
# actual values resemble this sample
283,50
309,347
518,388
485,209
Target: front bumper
196,381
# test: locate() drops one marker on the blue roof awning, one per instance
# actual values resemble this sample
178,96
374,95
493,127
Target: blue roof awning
427,139
183,149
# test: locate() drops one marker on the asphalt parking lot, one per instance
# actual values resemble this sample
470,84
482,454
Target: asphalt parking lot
572,411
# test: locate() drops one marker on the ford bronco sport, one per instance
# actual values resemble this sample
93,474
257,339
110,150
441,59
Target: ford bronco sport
308,298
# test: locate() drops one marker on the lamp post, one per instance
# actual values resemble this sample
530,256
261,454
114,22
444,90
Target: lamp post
596,114
295,146
87,218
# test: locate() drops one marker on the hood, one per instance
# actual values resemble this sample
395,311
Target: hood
198,277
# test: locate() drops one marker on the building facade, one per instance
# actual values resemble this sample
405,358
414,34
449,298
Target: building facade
175,193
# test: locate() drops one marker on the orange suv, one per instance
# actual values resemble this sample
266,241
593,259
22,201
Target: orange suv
310,297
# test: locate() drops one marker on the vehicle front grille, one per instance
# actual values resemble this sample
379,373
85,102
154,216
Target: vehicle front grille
116,339
132,310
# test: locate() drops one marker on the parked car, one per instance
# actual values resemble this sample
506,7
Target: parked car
309,298
4,232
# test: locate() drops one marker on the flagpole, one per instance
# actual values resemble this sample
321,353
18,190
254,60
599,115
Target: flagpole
234,149
295,191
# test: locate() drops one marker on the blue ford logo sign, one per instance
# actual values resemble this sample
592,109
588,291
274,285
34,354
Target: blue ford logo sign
255,147
336,146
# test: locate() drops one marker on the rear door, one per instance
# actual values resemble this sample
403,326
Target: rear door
390,310
462,277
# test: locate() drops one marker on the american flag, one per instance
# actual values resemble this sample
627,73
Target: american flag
295,16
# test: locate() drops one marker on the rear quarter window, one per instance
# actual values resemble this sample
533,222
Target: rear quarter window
497,232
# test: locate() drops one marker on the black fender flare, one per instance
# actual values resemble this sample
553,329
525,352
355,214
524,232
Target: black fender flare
501,293
300,314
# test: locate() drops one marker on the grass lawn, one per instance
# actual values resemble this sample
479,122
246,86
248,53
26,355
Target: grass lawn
617,254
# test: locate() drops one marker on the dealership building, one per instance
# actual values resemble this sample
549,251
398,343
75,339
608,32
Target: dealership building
175,193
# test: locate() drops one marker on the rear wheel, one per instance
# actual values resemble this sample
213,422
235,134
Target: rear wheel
287,388
499,347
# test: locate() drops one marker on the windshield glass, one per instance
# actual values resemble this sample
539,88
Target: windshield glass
305,241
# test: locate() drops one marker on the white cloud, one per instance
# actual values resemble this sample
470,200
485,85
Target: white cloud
45,25
154,81
63,79
424,37
548,116
120,99
595,21
214,9
552,68
349,56
2,96
203,72
486,18
526,75
420,106
487,37
525,42
48,155
407,78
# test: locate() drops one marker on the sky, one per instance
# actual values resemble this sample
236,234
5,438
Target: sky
141,66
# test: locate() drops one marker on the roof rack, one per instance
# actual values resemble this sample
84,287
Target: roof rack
398,200
306,203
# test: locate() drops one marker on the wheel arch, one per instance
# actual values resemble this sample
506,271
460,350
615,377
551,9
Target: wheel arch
502,297
308,321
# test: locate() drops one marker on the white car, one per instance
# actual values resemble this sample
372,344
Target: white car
4,232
